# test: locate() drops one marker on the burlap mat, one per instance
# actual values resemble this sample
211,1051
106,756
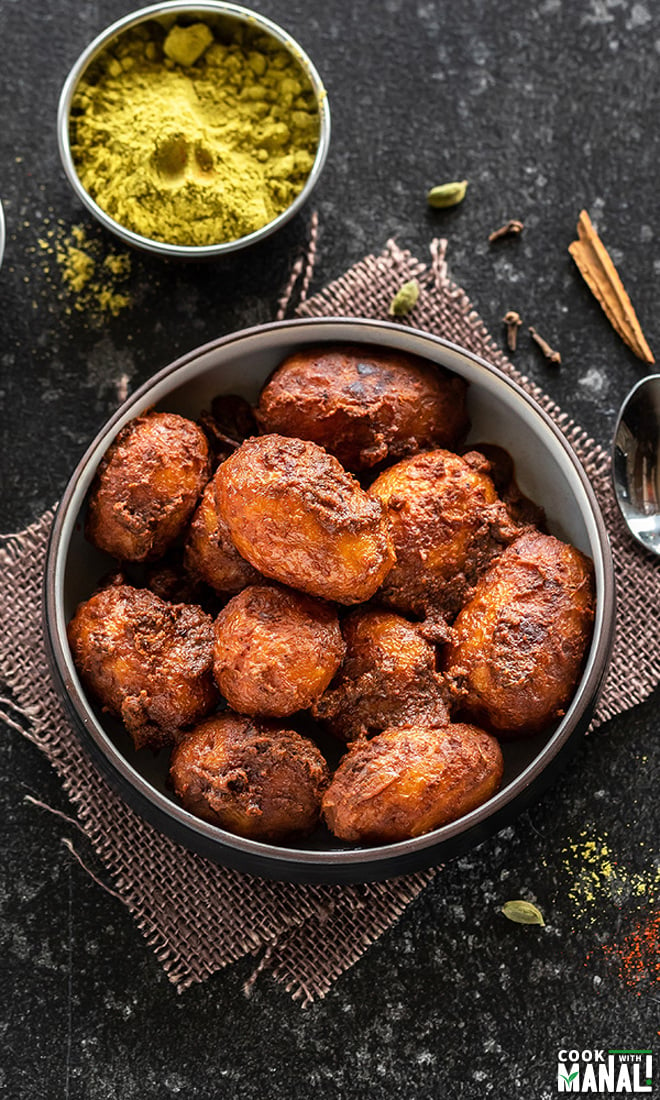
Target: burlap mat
199,917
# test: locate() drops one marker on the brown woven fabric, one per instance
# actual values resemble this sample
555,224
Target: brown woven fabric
197,916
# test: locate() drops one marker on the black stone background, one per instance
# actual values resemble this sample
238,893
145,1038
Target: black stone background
544,106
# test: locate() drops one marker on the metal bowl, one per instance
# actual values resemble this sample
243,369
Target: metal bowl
547,471
209,9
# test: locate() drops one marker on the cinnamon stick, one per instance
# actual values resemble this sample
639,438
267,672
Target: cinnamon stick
603,280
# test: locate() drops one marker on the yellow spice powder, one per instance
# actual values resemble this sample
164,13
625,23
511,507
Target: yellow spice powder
597,877
190,140
93,281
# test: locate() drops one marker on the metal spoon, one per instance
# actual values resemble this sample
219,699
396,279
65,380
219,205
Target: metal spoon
636,462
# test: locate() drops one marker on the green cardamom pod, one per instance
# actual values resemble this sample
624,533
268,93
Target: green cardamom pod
404,299
447,194
522,912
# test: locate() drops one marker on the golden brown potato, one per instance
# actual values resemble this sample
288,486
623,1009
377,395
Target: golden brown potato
388,678
447,523
252,778
147,661
147,486
210,554
364,405
408,781
299,518
521,640
275,650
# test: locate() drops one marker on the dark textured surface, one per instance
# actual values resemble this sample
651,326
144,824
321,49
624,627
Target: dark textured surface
544,107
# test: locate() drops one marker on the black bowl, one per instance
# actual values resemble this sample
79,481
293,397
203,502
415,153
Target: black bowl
547,471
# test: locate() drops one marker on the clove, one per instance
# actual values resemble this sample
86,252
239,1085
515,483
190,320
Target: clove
513,228
551,355
513,321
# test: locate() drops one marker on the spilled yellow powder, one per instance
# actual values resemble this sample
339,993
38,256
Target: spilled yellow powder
72,268
77,267
118,264
596,877
94,282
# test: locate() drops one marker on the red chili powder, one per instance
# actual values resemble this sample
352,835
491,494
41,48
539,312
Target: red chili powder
638,955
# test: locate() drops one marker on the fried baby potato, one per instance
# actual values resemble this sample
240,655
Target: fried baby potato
520,642
147,661
301,519
252,778
209,553
388,678
275,650
408,781
364,405
147,486
447,523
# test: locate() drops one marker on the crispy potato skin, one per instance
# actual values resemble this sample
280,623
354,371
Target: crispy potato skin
521,640
147,661
408,781
147,486
301,519
388,678
447,523
252,778
209,553
364,405
275,650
